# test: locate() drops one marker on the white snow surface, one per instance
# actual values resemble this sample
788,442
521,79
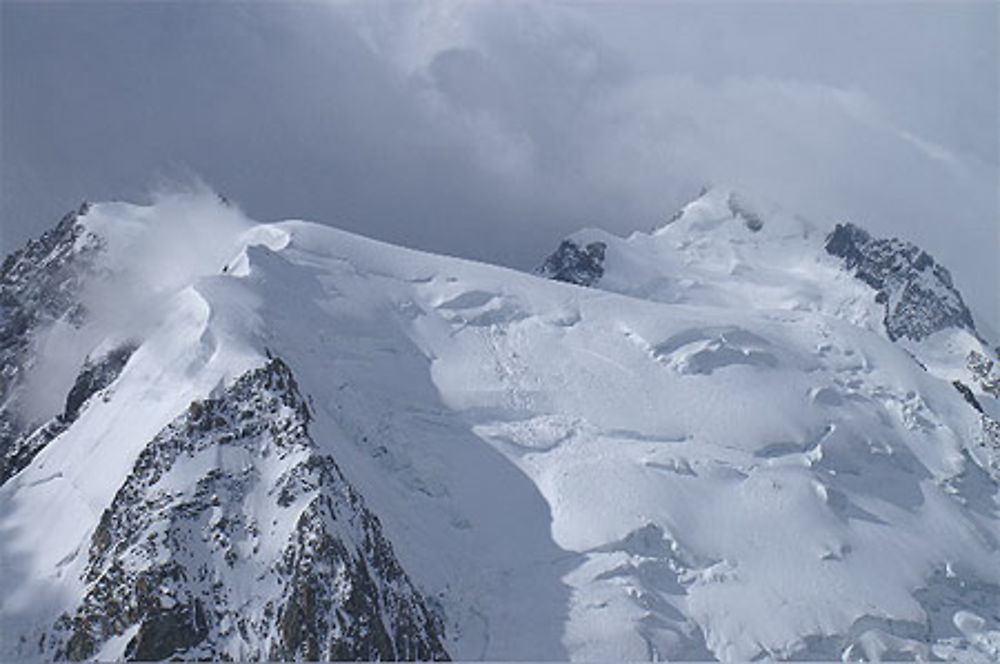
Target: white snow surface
718,454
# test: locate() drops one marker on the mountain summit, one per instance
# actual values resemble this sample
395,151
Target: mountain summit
734,437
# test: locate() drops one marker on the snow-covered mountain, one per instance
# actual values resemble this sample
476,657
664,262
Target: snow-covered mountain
737,436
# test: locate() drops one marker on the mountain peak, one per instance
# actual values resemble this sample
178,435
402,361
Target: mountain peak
722,207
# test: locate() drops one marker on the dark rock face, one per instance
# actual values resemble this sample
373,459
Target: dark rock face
917,293
574,265
168,631
234,538
967,394
94,377
39,284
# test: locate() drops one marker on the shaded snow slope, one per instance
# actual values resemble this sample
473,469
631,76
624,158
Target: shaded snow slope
719,455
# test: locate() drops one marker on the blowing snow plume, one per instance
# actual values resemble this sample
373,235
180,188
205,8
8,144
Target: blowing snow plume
130,260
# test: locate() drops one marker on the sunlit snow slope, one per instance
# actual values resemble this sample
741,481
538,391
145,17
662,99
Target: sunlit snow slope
716,452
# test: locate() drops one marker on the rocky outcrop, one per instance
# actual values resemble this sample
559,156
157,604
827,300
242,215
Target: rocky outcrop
917,293
94,376
235,538
575,265
988,442
985,371
967,394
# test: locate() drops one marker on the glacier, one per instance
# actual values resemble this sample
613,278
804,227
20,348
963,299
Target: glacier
715,440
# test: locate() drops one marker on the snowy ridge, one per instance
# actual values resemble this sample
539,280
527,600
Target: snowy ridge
715,453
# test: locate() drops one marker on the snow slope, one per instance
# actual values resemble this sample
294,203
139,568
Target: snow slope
716,453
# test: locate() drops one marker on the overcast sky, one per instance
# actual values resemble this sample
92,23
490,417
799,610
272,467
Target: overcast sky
491,130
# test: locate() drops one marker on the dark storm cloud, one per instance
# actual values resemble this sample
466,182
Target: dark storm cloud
489,130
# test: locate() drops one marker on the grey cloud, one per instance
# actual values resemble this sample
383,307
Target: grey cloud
490,130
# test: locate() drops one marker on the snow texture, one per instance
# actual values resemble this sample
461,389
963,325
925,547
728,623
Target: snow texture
718,451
